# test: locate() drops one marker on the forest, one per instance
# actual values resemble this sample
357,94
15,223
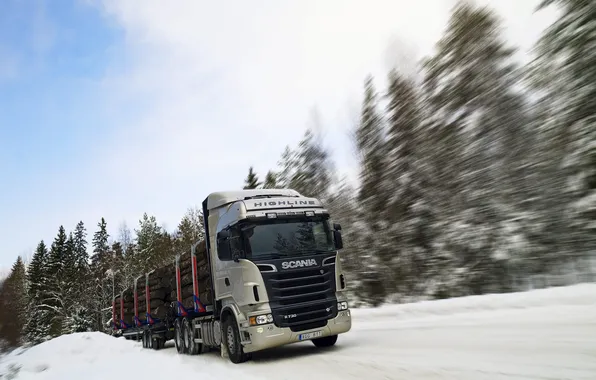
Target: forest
477,175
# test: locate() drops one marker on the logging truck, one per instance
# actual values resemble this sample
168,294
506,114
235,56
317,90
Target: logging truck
267,274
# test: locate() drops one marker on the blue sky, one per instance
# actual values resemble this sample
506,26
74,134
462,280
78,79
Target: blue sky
52,60
112,108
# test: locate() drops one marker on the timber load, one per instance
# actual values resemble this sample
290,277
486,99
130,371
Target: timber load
182,287
201,288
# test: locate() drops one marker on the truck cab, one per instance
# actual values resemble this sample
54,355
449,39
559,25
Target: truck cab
277,276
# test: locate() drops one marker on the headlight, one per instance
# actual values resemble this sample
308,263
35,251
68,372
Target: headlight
261,319
342,306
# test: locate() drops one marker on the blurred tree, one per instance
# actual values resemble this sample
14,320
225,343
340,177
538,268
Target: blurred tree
252,180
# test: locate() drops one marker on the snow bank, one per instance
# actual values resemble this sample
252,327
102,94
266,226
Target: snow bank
537,334
582,294
95,356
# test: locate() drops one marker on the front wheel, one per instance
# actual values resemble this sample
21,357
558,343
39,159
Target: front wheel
327,341
231,338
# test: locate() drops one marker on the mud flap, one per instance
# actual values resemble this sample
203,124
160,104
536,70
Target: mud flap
223,350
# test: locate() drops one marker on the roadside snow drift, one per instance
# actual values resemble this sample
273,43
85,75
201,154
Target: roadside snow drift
95,356
543,334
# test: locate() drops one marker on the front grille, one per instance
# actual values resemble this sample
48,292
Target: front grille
302,298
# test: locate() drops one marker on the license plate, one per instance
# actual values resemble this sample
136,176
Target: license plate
311,335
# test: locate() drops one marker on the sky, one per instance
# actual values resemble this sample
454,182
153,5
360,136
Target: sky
113,108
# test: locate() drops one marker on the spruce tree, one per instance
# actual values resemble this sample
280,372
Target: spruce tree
13,305
80,251
468,82
37,322
100,243
370,145
191,229
252,180
58,268
149,238
100,264
270,180
568,49
371,196
408,211
313,170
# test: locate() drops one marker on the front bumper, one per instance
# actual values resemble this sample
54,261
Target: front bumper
256,338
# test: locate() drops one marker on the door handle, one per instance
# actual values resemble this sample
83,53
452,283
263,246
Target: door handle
227,281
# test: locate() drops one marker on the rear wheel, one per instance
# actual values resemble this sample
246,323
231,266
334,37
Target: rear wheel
157,343
144,338
149,339
231,338
327,341
192,347
178,340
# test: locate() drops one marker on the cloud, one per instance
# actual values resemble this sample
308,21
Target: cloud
233,82
199,90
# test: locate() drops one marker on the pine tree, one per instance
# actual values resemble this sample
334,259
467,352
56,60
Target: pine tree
252,180
149,238
568,49
80,252
408,211
270,180
13,304
100,243
372,195
287,164
37,322
313,168
101,263
468,82
370,144
57,267
191,229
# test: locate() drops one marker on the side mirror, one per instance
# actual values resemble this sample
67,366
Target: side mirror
339,243
337,227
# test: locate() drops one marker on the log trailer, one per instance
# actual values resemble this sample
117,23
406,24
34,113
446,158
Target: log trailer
267,274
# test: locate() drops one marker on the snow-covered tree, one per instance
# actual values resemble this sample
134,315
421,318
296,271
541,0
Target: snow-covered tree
37,321
568,49
13,304
270,180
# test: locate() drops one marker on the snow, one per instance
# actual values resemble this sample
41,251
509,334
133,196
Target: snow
542,334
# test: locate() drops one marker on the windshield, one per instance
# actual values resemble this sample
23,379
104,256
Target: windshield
284,238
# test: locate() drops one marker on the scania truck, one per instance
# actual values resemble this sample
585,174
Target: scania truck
274,273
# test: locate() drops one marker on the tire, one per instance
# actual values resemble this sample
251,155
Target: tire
178,337
156,343
144,339
192,347
231,338
149,339
327,341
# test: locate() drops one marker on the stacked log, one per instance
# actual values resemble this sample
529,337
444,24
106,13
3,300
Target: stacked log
203,277
160,288
141,299
116,313
129,310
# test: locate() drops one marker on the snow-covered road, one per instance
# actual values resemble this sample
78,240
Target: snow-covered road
546,334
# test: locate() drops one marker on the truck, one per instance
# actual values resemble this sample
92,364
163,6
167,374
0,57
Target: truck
267,274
